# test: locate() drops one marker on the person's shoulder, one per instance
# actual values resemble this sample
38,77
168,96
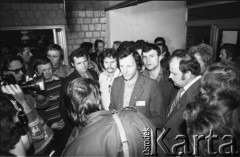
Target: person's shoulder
119,79
69,78
148,80
93,73
132,115
102,76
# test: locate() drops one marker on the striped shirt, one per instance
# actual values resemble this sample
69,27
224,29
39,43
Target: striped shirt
52,113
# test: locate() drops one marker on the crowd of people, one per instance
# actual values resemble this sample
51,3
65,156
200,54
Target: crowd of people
110,101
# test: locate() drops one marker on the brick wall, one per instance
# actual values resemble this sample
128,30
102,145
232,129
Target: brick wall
26,14
80,25
85,26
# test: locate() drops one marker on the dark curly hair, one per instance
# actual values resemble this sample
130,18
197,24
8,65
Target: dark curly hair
187,63
129,50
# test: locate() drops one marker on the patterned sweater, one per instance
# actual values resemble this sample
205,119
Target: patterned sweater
41,134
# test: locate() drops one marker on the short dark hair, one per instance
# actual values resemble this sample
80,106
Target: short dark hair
187,63
40,61
117,42
205,51
231,50
85,99
87,45
56,47
159,39
128,50
146,47
125,44
8,60
80,52
96,43
107,53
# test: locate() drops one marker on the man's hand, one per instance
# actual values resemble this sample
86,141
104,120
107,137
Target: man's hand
18,95
15,91
30,78
58,125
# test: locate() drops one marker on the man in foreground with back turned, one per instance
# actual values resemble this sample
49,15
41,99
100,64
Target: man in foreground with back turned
104,133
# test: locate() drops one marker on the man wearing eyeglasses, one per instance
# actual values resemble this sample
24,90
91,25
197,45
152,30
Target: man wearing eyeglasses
13,69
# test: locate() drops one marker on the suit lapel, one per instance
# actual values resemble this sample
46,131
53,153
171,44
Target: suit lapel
187,97
121,92
137,91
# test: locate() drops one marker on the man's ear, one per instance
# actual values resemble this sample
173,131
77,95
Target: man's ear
187,75
72,64
19,54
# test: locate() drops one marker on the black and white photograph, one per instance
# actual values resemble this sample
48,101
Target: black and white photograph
126,78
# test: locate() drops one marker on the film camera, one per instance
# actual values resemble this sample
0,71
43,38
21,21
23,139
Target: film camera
36,85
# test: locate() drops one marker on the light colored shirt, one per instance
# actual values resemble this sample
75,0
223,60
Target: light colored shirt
128,89
105,81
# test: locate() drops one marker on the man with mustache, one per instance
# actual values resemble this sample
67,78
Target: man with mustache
106,78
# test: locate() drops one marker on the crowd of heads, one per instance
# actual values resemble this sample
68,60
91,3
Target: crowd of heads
217,108
216,111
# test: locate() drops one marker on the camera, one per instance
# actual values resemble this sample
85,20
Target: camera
36,85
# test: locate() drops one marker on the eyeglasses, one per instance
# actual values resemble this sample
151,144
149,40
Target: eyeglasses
17,71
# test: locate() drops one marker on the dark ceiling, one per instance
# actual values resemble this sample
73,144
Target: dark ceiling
84,4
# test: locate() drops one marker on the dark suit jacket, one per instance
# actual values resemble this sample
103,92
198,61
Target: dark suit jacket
146,90
175,120
63,102
168,91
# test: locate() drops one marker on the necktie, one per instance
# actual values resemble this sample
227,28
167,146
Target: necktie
175,102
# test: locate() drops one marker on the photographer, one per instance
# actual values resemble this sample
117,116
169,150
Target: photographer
14,138
13,71
40,134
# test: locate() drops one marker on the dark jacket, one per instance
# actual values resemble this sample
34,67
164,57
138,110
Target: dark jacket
146,97
100,137
168,91
175,120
